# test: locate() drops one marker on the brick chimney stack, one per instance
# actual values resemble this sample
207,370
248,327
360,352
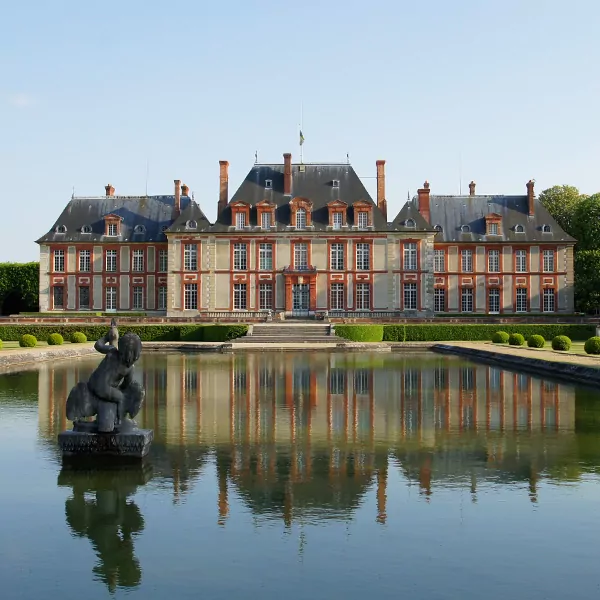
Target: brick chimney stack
110,190
185,190
423,195
223,186
287,174
177,195
472,188
381,201
530,197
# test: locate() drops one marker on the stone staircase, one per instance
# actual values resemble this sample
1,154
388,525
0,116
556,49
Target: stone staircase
289,333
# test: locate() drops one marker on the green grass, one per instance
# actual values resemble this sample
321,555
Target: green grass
15,345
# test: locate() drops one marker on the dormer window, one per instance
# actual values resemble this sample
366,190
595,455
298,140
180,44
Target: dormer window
410,223
192,225
465,229
240,220
300,218
61,229
519,229
546,229
363,214
265,220
269,184
139,229
337,220
300,213
111,229
335,183
439,229
362,220
493,224
86,229
493,229
240,214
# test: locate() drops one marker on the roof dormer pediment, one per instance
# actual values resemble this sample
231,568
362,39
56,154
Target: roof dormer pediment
337,204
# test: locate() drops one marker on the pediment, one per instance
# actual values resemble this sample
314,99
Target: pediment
337,204
362,204
299,201
240,203
493,216
113,217
266,203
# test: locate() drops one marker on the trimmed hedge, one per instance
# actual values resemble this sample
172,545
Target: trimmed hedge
55,339
78,338
500,337
592,346
516,339
536,341
0,344
360,333
562,343
27,341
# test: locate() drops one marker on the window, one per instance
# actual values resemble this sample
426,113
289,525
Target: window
410,256
111,298
493,229
111,260
265,296
467,261
190,296
190,257
494,300
337,257
521,261
549,300
240,257
335,183
269,184
466,300
301,256
363,296
86,229
521,304
191,225
336,296
162,297
59,261
163,261
439,300
337,220
265,257
139,229
439,261
111,229
239,296
240,220
137,261
362,220
84,296
494,261
548,261
546,229
439,229
300,218
58,296
465,229
138,297
519,229
85,260
363,262
410,223
265,220
410,296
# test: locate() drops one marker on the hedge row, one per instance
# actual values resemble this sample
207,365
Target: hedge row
360,333
147,333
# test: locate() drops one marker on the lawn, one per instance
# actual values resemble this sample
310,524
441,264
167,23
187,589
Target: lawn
15,345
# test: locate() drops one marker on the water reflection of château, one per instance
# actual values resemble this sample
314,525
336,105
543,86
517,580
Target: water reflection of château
310,433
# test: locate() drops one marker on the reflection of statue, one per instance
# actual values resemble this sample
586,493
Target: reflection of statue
109,520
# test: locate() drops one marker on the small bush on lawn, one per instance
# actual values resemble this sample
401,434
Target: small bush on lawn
536,341
500,337
516,339
360,333
78,338
592,346
27,341
562,343
55,339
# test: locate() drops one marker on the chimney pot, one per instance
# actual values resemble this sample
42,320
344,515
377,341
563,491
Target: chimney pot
472,188
423,196
185,190
530,197
381,201
223,186
110,190
287,174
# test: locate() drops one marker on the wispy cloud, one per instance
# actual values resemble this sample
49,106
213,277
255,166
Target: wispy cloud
21,100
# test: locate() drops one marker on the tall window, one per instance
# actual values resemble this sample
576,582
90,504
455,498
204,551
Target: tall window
493,229
138,261
240,220
548,261
549,300
521,303
163,261
336,296
85,261
111,298
494,261
521,261
265,296
190,296
138,297
466,300
337,257
265,220
240,257
162,297
494,300
362,220
439,261
59,261
58,296
410,296
239,296
338,220
84,296
265,257
363,296
190,257
111,260
112,229
300,218
363,262
439,300
300,256
466,261
410,256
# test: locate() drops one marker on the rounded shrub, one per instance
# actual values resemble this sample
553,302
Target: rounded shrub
78,338
536,341
27,341
516,339
55,339
592,346
500,337
562,343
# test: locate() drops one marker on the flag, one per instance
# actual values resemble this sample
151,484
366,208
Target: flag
301,138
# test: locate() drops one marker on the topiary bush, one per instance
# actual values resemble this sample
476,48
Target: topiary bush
55,339
360,333
592,346
28,341
78,338
516,339
562,343
536,341
500,337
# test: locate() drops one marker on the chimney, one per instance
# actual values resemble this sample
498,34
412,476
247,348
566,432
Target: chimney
530,196
223,186
185,190
472,188
110,190
287,174
381,201
423,195
177,195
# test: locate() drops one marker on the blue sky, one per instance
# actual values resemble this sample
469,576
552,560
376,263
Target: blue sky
92,92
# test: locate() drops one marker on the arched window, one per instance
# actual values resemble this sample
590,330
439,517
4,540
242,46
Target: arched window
519,229
86,229
546,229
139,229
410,223
61,229
465,229
300,218
191,225
438,228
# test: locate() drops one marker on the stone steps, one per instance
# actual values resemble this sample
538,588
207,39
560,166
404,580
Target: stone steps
289,333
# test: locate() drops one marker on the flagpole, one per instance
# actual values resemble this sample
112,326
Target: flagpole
301,134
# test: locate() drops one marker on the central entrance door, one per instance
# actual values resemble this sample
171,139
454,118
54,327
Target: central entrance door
300,300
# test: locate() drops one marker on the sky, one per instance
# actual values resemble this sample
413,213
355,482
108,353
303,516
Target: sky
139,93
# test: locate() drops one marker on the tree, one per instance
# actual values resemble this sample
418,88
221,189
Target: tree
562,202
586,223
587,280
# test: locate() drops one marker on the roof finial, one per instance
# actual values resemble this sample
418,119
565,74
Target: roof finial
256,157
347,157
408,195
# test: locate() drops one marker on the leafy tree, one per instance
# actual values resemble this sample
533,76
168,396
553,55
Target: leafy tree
587,280
19,287
562,202
586,223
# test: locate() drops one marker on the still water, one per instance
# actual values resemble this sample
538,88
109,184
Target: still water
308,476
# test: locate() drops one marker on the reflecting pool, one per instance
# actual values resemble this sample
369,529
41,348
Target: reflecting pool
310,475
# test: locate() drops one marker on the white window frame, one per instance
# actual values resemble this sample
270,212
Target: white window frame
266,300
162,297
240,219
137,261
466,261
59,261
300,218
337,220
337,257
521,300
240,296
410,296
410,256
493,261
137,297
265,257
163,260
190,296
301,255
466,300
265,220
240,256
363,296
110,297
362,219
112,230
493,229
110,261
521,261
439,300
495,294
337,296
549,300
190,257
439,261
363,256
549,261
85,261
